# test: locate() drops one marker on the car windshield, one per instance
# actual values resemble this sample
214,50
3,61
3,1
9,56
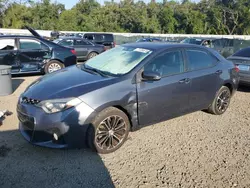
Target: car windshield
119,60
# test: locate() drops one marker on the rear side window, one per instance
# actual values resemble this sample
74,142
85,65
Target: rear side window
198,59
243,53
7,44
99,37
80,42
29,44
67,42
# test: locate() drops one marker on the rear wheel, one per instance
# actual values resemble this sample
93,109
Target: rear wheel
92,54
221,101
53,66
108,131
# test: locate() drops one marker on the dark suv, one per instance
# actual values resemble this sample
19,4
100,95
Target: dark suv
101,38
34,54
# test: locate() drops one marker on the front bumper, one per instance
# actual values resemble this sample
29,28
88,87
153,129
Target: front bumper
69,126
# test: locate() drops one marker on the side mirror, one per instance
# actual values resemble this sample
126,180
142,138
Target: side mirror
151,76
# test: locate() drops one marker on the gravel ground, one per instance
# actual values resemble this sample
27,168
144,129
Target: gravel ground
196,150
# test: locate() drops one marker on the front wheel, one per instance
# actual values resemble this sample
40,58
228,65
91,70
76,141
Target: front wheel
221,101
53,66
108,131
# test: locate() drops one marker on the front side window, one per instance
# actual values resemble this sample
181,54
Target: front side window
29,44
89,37
7,44
198,59
119,60
167,64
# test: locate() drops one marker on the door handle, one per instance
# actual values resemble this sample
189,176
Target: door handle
184,81
218,72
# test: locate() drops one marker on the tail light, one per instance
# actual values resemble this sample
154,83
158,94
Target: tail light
236,68
73,51
114,44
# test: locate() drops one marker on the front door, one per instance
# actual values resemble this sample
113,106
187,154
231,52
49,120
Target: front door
32,54
205,77
168,97
8,54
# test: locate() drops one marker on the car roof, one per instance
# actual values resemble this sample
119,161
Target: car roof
16,36
99,33
72,38
160,46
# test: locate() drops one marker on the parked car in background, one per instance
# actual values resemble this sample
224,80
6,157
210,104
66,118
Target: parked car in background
71,35
26,54
105,39
54,35
123,89
224,46
149,40
84,49
242,60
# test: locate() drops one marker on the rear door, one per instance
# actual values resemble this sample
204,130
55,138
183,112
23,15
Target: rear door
32,54
168,97
82,47
9,53
205,73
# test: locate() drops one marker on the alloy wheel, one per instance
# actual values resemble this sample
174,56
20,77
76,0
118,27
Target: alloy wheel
92,55
54,67
223,101
110,133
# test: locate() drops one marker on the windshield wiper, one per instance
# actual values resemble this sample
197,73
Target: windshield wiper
102,73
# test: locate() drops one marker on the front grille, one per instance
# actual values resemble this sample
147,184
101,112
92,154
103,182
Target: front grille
27,121
27,100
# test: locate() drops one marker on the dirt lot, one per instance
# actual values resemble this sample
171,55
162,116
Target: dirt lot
197,150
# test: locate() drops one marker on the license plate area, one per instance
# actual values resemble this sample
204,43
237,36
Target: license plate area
244,67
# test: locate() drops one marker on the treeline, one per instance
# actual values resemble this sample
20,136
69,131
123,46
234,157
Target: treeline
204,17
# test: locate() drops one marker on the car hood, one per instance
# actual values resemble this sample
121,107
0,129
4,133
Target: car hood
68,82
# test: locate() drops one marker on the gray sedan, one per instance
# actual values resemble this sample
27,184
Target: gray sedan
84,48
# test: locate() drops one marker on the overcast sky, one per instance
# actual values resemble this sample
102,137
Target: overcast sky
70,3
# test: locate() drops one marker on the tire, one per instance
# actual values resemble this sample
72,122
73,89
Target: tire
102,137
53,66
221,102
91,55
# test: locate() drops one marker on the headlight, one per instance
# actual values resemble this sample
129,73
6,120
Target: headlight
57,105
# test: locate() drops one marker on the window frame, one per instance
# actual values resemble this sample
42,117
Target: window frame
165,52
202,50
42,43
